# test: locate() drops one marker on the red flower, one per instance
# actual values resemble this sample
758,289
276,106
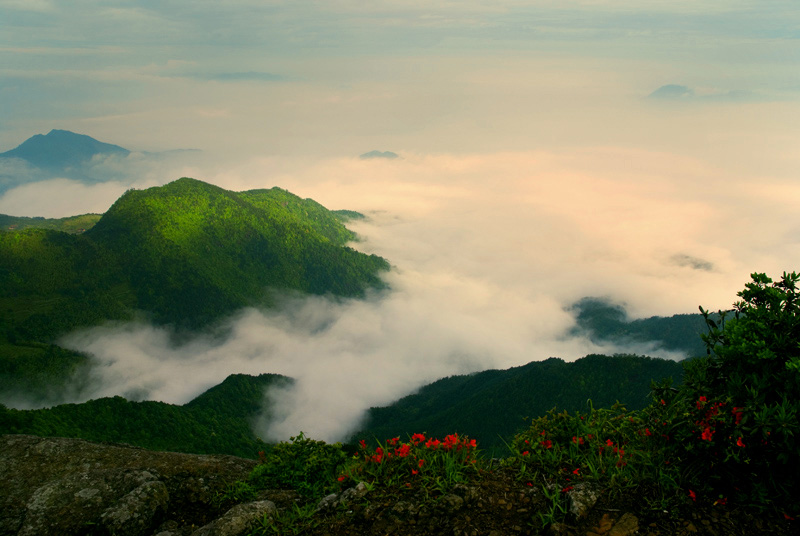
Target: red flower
362,444
576,471
663,403
432,443
577,440
739,442
737,413
392,442
547,444
450,441
421,463
417,438
403,451
721,501
701,402
708,433
525,453
414,472
341,478
568,488
609,443
473,443
647,432
693,495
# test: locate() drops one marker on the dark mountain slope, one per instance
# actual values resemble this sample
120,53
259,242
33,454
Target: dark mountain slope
494,404
605,321
62,149
217,422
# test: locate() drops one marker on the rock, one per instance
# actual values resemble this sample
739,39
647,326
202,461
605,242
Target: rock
328,502
63,486
240,519
452,503
582,498
333,500
606,522
137,511
627,525
351,494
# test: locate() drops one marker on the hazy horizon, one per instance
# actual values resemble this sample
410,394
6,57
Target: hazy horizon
644,152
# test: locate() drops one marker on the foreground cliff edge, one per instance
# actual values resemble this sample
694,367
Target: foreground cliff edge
74,487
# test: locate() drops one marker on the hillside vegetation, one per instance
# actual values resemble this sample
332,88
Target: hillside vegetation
70,224
220,421
491,406
182,254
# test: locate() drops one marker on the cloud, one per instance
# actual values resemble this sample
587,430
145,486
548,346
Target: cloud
60,197
92,187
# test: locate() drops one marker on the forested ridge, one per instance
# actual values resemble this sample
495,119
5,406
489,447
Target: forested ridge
182,254
220,421
491,406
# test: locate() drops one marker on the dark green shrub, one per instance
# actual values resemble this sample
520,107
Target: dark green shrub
310,467
735,424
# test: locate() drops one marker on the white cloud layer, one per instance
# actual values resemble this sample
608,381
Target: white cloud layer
488,251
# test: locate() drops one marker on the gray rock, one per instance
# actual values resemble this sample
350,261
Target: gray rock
238,520
582,498
138,511
328,502
335,499
70,486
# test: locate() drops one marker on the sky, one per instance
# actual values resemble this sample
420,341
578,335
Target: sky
643,151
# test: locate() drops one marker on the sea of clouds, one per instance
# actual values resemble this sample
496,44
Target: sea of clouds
488,251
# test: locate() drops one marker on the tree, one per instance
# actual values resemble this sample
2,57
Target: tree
744,398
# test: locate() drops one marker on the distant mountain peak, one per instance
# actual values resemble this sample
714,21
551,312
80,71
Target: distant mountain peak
379,154
60,149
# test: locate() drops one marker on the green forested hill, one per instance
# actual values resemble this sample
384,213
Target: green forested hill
192,250
183,254
494,404
217,422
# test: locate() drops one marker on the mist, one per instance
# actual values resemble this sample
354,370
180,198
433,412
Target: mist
488,253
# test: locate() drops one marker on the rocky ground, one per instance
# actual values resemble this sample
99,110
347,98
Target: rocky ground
498,505
56,486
